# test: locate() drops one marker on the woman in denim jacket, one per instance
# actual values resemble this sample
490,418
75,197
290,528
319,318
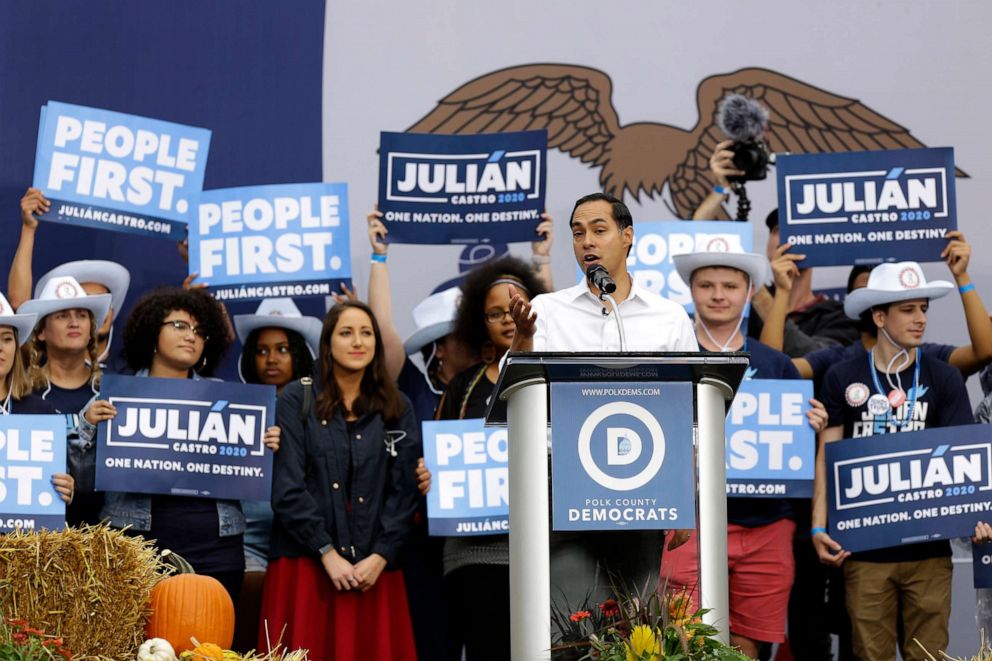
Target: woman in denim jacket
344,494
179,334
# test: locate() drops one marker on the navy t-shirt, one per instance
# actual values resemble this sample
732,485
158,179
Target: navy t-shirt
941,401
823,359
766,363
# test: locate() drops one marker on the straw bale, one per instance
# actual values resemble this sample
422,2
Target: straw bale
90,585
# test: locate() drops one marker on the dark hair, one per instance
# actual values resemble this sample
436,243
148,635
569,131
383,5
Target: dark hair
771,220
470,323
855,272
144,324
619,210
298,352
377,392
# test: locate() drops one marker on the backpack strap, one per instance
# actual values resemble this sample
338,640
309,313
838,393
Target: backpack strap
307,383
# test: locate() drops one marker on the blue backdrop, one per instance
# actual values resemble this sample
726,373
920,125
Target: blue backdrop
250,72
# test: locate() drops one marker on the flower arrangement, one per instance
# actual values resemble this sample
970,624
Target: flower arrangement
638,627
21,642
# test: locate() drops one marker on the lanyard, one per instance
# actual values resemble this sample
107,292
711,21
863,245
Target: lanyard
916,388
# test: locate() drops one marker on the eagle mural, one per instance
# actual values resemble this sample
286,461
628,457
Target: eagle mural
574,104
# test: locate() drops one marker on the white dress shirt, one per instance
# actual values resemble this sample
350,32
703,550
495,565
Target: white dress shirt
572,320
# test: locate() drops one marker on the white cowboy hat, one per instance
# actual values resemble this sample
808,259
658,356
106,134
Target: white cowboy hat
111,275
755,265
65,293
888,283
434,317
280,313
22,323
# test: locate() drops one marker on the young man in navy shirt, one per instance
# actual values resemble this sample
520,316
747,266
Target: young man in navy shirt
897,387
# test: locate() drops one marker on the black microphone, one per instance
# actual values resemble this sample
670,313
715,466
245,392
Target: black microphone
600,277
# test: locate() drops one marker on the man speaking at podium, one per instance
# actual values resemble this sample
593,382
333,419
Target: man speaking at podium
576,319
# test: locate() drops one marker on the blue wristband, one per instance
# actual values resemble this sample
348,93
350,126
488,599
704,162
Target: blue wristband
814,531
964,289
379,259
721,190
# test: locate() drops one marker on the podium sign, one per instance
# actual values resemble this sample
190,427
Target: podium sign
622,456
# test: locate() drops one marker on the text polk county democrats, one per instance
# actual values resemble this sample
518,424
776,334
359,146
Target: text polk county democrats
291,241
110,179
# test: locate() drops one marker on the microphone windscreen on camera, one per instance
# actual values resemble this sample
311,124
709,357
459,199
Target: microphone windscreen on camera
741,118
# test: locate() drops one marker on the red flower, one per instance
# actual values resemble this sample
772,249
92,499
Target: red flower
578,616
19,637
610,608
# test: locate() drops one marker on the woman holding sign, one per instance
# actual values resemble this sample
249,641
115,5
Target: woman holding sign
344,494
15,329
480,565
179,334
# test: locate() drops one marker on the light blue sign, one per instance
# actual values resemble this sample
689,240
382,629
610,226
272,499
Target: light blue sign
650,260
185,438
259,242
32,450
472,188
622,456
119,172
909,487
469,478
867,207
770,444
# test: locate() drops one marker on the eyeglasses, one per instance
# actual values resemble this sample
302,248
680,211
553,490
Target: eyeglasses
497,316
185,327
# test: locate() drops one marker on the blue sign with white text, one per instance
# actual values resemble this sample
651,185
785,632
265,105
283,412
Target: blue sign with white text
32,450
483,188
909,487
258,242
185,438
621,456
656,242
867,207
982,565
469,478
113,171
770,444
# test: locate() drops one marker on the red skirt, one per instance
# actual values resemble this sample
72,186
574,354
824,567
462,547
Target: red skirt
335,625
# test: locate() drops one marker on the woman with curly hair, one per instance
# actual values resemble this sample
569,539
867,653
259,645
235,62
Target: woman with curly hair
64,373
481,564
177,333
344,494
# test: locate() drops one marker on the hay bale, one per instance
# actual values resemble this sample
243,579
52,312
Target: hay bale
90,585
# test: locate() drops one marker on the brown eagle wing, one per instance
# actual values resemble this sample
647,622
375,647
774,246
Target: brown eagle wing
803,119
573,103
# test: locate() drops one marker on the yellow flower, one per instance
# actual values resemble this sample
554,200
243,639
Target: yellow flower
643,641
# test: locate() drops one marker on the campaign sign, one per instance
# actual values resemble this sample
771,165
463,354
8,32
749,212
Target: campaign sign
867,207
982,565
32,450
119,172
485,188
770,444
655,243
621,456
258,242
185,438
909,487
469,487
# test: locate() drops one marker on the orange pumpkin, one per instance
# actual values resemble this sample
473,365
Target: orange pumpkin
188,605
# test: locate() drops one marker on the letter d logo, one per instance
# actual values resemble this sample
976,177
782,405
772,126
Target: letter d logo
623,446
